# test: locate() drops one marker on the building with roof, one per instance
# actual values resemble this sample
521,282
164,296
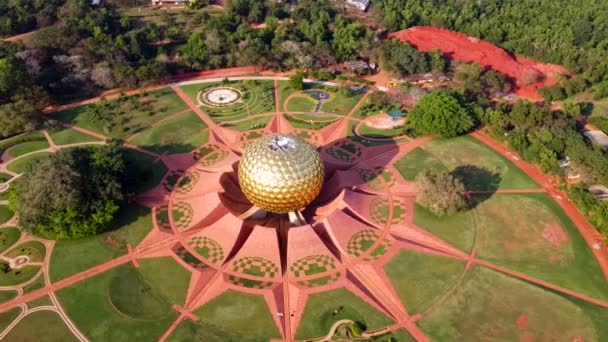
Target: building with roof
395,114
597,138
170,2
362,5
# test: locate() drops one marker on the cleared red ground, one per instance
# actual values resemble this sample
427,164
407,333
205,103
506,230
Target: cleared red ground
528,75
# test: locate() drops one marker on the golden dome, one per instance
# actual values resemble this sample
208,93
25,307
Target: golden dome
281,173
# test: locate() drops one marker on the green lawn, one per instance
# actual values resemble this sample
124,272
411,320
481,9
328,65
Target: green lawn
163,103
30,137
302,103
7,317
416,161
64,136
42,301
72,256
4,177
168,277
8,237
34,249
303,121
457,230
512,231
488,305
145,171
318,316
7,295
483,168
35,285
27,147
351,136
43,326
370,132
88,304
340,104
5,214
180,134
421,279
20,165
16,277
259,122
232,316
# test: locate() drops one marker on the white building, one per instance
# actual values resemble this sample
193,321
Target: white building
363,5
597,138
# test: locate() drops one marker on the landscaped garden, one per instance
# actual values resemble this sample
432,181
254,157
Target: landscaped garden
180,260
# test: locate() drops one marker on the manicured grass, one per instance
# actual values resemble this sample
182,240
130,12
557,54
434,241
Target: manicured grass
192,90
302,103
35,285
491,169
34,249
232,316
488,305
5,177
297,121
180,134
64,136
9,142
7,317
20,165
163,103
72,256
27,147
16,277
340,104
146,172
53,326
8,237
351,136
457,230
370,132
416,161
5,214
421,279
134,297
7,295
318,316
168,277
512,231
255,123
88,304
42,301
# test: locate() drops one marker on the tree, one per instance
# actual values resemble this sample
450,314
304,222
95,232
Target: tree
401,58
73,193
18,117
296,82
440,192
443,113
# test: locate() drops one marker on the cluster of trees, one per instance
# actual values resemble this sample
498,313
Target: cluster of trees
23,16
73,193
401,58
441,192
571,33
442,112
479,84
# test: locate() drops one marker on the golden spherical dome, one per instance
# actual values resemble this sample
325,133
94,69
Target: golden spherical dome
281,173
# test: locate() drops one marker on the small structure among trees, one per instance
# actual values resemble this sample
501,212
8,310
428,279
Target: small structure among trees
440,192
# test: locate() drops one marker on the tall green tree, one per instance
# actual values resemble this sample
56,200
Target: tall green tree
443,113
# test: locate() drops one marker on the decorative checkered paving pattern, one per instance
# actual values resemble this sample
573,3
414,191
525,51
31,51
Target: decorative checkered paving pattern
171,179
255,266
374,178
379,210
345,151
362,241
207,248
249,283
188,257
188,182
325,280
182,215
162,217
209,155
313,264
308,136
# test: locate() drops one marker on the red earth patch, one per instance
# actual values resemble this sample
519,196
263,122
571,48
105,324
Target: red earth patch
146,100
527,337
529,75
555,234
384,121
522,321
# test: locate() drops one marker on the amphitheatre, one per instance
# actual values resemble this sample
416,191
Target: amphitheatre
186,261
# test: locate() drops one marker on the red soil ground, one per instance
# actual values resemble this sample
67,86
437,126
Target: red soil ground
529,75
522,321
555,235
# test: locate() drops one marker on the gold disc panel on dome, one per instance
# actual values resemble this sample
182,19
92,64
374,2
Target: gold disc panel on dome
281,173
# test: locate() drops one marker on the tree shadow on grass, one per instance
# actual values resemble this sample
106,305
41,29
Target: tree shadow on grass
476,178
